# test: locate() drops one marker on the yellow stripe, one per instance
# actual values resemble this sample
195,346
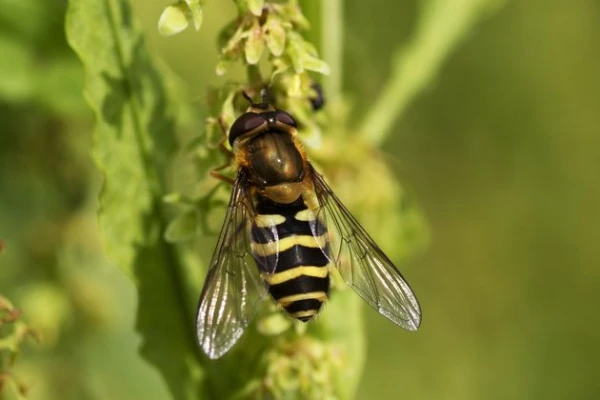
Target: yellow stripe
306,313
287,300
305,215
268,220
310,199
309,216
267,249
284,276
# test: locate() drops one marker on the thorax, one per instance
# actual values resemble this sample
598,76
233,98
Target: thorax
275,165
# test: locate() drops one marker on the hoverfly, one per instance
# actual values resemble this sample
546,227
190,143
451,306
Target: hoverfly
276,237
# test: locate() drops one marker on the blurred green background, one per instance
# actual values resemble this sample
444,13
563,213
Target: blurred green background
502,152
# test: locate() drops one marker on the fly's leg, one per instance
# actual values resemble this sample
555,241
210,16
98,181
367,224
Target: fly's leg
216,174
228,153
222,146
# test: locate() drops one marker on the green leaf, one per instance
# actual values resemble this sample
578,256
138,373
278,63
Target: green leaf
134,143
174,19
59,87
255,46
197,14
295,52
17,72
256,7
316,65
183,227
304,55
223,65
275,35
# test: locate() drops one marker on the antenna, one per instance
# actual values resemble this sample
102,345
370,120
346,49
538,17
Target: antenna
264,92
247,97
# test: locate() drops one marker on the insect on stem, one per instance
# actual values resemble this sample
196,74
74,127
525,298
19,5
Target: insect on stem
273,233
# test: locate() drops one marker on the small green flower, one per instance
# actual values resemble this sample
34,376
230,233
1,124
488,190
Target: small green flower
176,17
275,35
255,44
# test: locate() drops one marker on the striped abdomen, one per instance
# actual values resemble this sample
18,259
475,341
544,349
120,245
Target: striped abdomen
300,278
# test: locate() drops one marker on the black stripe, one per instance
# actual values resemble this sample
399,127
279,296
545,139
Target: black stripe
294,257
290,227
266,206
301,284
304,305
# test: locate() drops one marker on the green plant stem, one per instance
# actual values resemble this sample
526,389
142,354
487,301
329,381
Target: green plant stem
312,10
326,32
442,27
332,43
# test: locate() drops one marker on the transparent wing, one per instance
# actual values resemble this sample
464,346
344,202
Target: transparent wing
233,288
363,265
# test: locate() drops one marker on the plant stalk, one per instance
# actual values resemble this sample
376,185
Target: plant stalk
332,44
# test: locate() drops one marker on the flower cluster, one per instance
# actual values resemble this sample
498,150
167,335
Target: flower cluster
263,30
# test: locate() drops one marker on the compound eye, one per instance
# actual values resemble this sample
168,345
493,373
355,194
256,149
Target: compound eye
244,124
285,118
